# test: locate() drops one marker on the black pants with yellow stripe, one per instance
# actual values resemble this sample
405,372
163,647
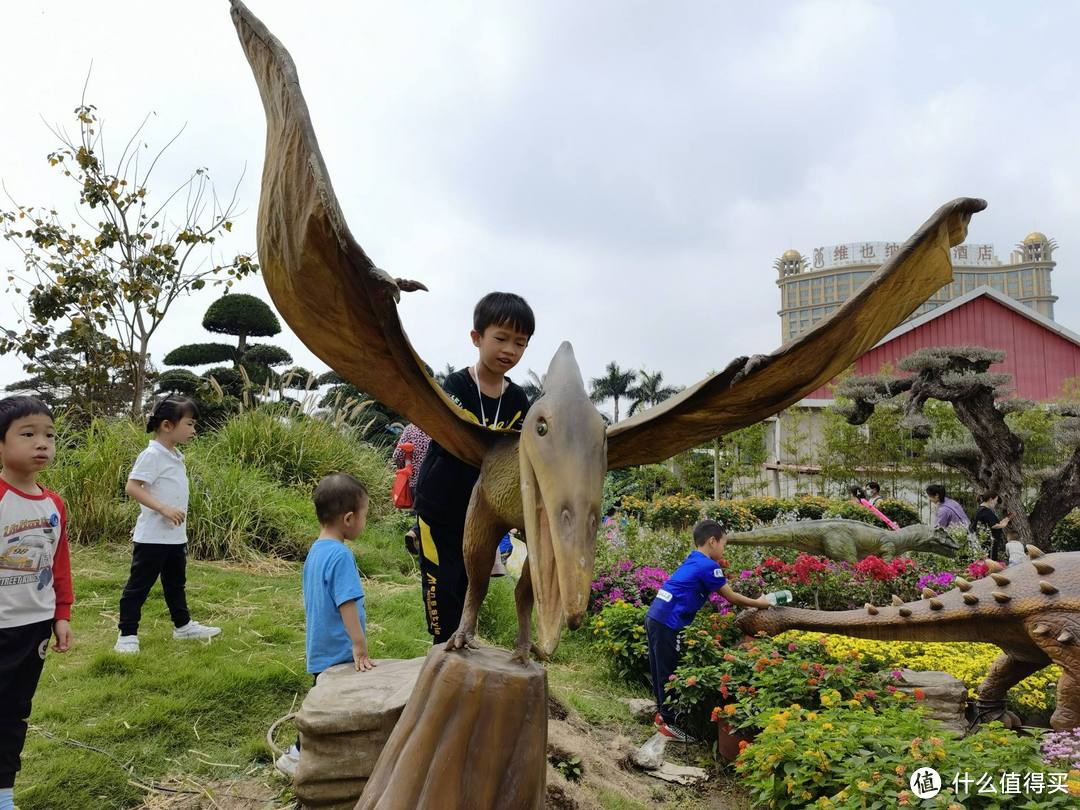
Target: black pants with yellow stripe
442,576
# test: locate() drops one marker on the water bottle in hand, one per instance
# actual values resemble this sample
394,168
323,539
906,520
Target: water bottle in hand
777,598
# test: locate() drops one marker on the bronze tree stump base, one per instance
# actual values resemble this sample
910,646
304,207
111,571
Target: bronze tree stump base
473,736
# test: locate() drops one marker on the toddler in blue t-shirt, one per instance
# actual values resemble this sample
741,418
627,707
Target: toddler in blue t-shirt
334,617
676,604
333,595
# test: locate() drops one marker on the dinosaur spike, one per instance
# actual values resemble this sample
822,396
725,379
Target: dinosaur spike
936,604
1001,598
1044,568
896,600
962,584
1047,588
928,594
1033,551
873,611
1066,637
971,599
1041,629
905,612
993,566
1000,579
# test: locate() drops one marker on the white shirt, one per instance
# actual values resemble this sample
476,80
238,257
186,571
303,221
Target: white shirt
162,472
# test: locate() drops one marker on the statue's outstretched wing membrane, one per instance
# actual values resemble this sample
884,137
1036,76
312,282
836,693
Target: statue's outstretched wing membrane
732,399
330,293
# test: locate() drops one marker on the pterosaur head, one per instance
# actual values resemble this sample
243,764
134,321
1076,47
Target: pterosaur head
563,452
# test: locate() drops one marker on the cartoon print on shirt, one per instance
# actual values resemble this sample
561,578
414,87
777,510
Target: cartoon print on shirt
28,546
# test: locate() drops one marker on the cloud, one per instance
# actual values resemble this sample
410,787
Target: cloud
632,170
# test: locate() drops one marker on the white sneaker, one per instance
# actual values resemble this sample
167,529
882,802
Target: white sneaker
195,630
288,761
126,644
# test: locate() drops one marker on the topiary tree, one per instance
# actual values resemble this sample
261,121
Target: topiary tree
243,316
251,364
993,453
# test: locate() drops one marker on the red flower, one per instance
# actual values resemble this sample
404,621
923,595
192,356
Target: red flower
920,694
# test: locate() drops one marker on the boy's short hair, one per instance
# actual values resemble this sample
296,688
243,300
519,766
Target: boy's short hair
504,309
12,408
704,529
874,485
337,494
937,490
989,495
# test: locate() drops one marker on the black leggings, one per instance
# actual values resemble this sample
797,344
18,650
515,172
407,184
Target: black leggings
148,562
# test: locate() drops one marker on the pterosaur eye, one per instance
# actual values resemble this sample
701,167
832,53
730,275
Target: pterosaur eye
541,427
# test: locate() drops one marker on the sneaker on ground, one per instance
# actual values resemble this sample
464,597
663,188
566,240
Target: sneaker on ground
674,732
126,644
195,630
288,761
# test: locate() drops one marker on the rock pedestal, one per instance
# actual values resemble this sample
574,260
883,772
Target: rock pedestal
943,696
473,736
344,723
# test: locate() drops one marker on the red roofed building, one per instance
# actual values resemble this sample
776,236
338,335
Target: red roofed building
1040,354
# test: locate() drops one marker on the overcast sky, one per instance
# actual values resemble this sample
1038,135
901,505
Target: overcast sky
633,169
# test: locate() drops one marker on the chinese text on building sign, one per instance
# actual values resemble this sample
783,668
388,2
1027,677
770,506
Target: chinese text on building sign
874,253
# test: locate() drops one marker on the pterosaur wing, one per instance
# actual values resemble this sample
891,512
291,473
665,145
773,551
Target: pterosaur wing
331,294
742,394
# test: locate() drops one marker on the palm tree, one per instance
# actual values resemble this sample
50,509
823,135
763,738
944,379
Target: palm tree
650,391
616,383
533,386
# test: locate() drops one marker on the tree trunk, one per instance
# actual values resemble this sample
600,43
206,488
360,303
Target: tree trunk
473,736
138,381
616,401
1001,457
1058,495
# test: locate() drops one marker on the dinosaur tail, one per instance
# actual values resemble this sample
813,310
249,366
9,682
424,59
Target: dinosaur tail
888,624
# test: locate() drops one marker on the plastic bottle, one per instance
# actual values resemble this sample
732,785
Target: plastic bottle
777,598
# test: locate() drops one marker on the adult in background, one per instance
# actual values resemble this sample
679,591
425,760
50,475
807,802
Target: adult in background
858,495
986,515
949,512
420,442
873,492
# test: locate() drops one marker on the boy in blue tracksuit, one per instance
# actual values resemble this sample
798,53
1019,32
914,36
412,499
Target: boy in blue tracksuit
675,606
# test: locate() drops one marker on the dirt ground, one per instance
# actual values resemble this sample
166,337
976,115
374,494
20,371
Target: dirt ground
607,772
607,778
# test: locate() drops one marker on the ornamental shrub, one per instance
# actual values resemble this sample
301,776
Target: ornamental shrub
734,516
900,511
1066,536
810,507
766,508
673,511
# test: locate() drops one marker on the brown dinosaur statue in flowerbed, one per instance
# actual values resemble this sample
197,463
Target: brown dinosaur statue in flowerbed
1030,610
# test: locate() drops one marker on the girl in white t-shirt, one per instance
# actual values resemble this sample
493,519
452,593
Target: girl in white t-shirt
158,481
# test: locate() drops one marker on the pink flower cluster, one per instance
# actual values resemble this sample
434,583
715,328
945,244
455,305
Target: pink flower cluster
637,586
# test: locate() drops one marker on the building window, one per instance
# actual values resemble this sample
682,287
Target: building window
1012,284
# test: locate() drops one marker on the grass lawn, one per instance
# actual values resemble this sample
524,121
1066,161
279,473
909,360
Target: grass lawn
197,713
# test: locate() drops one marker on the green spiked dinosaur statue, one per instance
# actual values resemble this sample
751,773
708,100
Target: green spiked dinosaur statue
849,540
1030,610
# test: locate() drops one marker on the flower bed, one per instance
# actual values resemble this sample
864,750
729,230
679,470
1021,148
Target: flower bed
860,754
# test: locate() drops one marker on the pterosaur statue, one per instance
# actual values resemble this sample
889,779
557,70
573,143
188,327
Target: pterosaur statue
548,481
